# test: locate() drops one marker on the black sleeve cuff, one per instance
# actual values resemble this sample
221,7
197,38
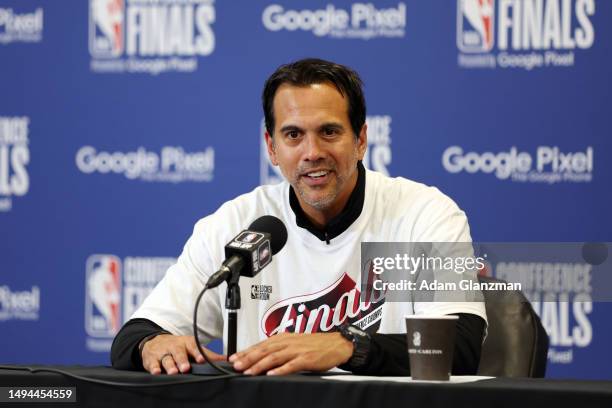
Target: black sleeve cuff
124,351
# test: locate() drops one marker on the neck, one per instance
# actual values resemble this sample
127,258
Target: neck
329,224
321,217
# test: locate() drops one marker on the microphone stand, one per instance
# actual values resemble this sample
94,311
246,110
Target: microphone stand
232,304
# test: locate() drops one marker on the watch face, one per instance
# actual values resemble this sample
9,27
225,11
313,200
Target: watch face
356,331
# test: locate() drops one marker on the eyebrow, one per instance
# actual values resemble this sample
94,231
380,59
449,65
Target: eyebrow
290,128
333,125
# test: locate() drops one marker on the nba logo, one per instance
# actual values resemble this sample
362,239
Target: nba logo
264,255
102,296
249,237
475,25
106,27
268,174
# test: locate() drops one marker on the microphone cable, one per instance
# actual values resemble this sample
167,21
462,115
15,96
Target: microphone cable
223,373
221,370
117,383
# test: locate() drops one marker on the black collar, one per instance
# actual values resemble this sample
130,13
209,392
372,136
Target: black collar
340,222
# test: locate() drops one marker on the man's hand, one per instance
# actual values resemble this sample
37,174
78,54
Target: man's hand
288,353
172,353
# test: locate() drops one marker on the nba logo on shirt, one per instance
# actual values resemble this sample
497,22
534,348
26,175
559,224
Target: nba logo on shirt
106,27
103,296
475,25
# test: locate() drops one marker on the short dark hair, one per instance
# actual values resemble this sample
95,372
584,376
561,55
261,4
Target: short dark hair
316,71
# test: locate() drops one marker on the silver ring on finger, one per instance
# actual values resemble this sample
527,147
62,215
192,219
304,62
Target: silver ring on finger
164,356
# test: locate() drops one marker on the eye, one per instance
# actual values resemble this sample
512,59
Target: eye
330,131
292,134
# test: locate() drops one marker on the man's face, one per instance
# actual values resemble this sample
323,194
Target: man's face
315,147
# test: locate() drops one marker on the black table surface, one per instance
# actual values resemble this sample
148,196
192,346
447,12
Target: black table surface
306,390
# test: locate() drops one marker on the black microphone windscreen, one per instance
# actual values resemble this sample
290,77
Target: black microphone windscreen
274,227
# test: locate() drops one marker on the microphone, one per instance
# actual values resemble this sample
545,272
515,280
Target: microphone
245,255
251,250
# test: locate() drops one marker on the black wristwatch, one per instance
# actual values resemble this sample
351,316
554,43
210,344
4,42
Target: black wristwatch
361,345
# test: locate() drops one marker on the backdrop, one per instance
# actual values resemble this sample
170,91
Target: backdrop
122,122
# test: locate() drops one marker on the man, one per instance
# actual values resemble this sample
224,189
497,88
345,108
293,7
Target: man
297,317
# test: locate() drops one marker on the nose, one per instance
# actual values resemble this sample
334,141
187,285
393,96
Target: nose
313,149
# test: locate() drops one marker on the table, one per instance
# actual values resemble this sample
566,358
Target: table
310,390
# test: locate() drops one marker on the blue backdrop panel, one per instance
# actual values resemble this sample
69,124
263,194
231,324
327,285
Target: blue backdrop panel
122,122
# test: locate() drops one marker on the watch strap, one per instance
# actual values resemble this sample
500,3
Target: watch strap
361,345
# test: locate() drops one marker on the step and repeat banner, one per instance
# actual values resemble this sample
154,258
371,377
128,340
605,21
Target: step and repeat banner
122,122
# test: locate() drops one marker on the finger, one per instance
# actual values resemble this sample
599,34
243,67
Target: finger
152,366
169,365
254,348
192,348
181,360
290,367
271,361
247,358
215,356
240,354
195,353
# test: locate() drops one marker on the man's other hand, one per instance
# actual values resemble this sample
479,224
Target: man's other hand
288,353
171,354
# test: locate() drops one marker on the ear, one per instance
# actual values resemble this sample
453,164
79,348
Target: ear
362,141
271,148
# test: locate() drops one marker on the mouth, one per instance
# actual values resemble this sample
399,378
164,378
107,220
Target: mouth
318,177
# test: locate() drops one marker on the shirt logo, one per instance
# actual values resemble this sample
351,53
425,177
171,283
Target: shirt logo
261,292
325,310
